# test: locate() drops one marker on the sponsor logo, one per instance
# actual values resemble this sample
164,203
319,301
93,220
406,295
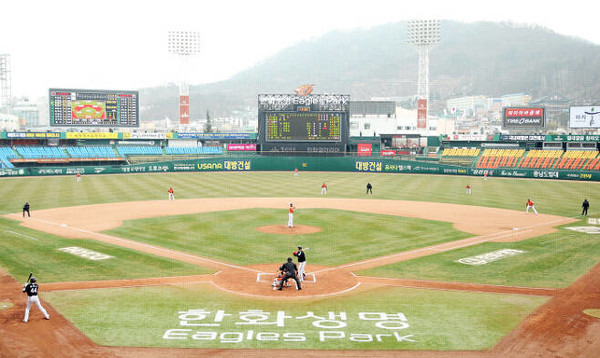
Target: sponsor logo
489,257
85,253
196,324
585,229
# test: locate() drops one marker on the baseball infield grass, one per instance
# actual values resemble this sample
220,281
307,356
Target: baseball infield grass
550,261
416,319
231,236
25,250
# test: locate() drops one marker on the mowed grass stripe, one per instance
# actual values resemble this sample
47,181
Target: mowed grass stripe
231,236
552,261
553,197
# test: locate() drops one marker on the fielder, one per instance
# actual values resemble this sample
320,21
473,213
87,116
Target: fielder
171,194
324,189
291,215
31,289
529,205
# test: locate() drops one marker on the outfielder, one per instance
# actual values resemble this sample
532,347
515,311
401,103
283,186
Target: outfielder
291,215
324,189
171,194
31,289
301,263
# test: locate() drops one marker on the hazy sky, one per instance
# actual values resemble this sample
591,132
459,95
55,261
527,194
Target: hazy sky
122,44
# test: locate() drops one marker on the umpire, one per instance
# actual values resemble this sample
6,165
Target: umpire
290,269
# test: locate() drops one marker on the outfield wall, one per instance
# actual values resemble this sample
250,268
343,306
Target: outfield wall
339,164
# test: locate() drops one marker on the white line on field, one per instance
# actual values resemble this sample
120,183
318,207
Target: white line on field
22,235
157,248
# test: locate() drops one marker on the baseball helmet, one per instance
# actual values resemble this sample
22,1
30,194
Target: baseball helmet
299,247
33,279
289,259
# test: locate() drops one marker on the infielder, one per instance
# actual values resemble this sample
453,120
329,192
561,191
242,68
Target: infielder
324,189
31,289
468,188
301,263
171,194
291,215
529,205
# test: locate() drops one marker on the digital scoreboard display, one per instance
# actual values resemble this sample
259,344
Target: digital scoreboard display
69,107
303,126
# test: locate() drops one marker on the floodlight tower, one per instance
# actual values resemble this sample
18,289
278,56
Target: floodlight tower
5,84
184,44
424,34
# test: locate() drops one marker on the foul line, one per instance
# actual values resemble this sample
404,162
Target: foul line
436,248
157,248
22,235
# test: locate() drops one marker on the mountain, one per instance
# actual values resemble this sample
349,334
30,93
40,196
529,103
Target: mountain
483,58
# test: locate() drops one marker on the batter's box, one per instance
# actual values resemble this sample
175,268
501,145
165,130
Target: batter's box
268,277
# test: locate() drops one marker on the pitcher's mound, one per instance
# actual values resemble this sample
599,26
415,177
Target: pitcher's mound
284,230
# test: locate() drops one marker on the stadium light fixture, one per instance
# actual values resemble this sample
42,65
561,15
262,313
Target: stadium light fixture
184,44
424,34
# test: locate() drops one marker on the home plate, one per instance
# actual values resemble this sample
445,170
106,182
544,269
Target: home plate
260,277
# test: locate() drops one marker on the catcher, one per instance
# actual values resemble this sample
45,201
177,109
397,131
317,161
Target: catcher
277,280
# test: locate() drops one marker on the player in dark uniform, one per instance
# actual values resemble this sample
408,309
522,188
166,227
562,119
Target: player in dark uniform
31,289
585,206
369,188
290,272
26,210
301,263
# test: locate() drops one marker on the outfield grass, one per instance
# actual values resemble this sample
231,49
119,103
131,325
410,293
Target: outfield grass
553,261
24,250
345,237
435,320
551,197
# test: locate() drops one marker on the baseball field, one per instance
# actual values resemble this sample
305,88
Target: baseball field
418,268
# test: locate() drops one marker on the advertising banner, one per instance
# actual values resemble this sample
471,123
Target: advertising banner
388,153
184,109
364,149
136,135
524,117
30,135
92,135
421,113
584,117
523,138
241,147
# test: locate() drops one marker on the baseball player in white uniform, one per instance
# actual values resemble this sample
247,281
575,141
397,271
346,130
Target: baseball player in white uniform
291,215
301,263
31,289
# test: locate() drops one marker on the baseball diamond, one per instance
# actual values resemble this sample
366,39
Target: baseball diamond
377,268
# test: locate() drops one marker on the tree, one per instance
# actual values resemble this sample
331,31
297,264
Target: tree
208,125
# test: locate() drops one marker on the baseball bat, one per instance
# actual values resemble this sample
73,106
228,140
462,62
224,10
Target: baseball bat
29,278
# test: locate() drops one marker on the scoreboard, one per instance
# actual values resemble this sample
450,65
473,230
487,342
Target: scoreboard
87,108
303,126
313,124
